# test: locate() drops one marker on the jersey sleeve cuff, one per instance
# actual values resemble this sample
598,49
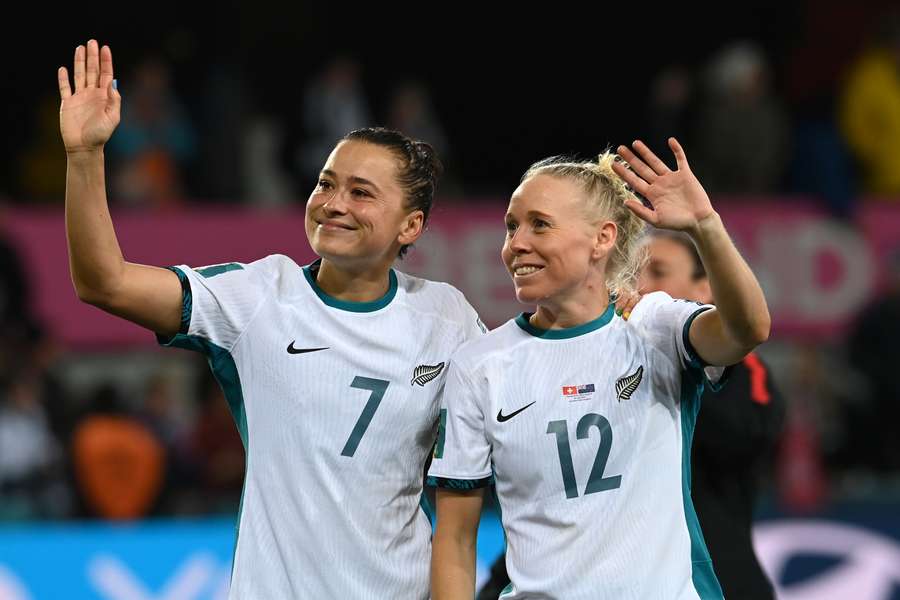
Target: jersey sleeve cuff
459,484
694,361
186,306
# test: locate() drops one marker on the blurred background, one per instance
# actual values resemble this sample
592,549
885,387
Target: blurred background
789,114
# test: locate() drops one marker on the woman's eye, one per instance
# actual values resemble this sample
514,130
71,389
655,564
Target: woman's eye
510,227
360,192
324,184
539,223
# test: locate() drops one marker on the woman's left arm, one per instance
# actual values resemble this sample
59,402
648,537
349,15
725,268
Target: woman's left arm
740,321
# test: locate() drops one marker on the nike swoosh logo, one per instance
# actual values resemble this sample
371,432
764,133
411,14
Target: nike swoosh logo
292,350
501,417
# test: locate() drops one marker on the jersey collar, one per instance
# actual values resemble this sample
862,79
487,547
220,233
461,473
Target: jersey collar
570,332
310,272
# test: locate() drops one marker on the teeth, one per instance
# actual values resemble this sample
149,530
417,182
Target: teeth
526,270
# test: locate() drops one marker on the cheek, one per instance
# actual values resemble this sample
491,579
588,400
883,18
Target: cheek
314,202
505,253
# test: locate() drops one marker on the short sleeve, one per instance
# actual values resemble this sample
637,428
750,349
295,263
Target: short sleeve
218,303
666,323
473,327
462,454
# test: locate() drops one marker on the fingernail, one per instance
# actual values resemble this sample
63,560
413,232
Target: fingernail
619,312
626,314
115,84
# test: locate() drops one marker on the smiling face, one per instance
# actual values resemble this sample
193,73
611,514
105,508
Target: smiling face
356,217
554,251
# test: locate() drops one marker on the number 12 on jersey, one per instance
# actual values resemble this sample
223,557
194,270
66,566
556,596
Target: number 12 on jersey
596,481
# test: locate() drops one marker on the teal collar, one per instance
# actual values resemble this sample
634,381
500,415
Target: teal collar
571,332
310,272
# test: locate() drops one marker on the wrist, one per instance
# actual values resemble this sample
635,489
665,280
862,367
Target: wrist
708,225
84,155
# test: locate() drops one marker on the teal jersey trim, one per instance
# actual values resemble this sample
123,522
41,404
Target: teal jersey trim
219,269
571,332
186,304
696,362
459,484
360,307
702,573
442,435
425,505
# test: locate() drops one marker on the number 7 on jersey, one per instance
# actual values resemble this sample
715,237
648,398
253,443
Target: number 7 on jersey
378,387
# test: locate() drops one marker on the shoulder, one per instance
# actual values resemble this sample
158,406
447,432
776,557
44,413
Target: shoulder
659,307
647,308
435,297
497,341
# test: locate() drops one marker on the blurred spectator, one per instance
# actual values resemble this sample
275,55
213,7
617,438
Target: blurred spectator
873,350
411,110
217,450
265,180
18,328
669,109
870,110
119,463
14,294
333,104
160,412
154,142
742,139
802,481
31,468
821,165
224,99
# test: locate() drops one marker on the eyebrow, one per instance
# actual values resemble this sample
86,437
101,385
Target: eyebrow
352,179
533,213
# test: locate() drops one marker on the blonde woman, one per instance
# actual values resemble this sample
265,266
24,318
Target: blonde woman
582,419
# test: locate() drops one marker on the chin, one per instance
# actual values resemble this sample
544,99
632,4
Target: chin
527,296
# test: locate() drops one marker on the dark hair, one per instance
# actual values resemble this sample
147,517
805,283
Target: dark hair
684,241
418,171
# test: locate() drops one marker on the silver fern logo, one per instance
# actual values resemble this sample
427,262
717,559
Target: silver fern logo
425,373
625,386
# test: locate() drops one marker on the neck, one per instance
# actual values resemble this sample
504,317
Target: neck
352,285
572,312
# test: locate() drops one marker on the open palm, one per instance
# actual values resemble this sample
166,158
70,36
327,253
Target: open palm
677,199
88,117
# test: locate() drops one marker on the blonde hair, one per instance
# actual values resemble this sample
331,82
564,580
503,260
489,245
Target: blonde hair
605,195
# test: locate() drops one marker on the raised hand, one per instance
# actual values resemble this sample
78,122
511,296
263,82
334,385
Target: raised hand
678,200
88,117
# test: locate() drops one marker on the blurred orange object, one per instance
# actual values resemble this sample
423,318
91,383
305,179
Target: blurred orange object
119,466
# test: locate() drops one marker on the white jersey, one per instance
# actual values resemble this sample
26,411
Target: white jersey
337,404
587,434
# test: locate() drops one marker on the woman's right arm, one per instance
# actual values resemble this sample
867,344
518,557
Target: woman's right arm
148,296
453,547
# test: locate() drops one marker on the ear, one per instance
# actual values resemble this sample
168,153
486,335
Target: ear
605,240
412,227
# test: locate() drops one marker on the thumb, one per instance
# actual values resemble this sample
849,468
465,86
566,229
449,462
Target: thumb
114,104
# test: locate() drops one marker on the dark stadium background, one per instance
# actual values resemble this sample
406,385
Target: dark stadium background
508,86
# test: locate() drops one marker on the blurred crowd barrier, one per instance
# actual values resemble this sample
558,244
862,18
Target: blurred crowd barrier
852,552
817,272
